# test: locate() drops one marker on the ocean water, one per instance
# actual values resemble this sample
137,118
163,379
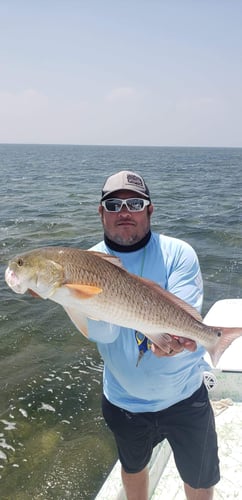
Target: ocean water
53,441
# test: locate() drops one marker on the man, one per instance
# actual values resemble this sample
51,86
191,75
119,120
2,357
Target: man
151,393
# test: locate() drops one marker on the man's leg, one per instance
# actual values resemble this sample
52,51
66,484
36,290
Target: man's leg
135,436
192,436
136,485
199,494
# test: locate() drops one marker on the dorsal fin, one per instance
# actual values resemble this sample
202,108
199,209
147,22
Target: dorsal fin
173,298
110,258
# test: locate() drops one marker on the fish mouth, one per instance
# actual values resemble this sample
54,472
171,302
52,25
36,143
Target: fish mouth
13,281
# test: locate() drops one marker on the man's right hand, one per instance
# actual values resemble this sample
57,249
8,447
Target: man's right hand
173,345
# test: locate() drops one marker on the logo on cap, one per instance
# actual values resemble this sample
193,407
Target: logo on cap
137,181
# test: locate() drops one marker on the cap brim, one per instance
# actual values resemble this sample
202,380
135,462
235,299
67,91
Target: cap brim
109,193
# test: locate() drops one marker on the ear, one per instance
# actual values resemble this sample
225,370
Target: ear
100,210
150,209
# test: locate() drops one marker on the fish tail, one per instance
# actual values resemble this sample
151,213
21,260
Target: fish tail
228,335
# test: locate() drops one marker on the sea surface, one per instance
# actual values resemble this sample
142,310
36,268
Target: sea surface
54,444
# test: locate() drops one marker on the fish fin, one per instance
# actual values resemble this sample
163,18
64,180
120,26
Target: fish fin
173,298
162,340
34,294
228,335
110,258
79,320
84,291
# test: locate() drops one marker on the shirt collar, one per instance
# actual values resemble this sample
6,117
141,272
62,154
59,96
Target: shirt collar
127,248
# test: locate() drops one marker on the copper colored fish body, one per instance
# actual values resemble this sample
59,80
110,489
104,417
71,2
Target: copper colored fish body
95,285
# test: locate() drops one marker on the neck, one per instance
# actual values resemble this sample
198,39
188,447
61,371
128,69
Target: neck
127,248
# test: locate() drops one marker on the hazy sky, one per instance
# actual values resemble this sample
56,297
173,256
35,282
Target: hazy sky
132,72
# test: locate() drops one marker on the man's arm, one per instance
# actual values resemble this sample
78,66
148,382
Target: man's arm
184,280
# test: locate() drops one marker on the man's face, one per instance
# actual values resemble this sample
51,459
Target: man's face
124,227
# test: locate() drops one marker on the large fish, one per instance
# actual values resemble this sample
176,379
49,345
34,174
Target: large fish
95,285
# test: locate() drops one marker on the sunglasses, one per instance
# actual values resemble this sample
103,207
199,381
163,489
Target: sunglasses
132,204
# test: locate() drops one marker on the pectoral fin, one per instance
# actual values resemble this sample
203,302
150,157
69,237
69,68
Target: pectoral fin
84,291
79,320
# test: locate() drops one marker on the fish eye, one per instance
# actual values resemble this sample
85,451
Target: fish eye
20,262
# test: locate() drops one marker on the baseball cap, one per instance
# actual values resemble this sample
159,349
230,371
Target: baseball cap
128,180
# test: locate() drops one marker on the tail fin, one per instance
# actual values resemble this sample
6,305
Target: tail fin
226,339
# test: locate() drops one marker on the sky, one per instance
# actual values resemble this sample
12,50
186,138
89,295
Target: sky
121,72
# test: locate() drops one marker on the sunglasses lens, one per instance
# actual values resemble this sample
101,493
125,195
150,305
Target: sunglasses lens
113,205
135,204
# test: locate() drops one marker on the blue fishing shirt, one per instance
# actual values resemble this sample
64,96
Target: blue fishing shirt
155,383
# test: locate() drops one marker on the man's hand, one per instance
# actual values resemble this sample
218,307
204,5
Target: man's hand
173,345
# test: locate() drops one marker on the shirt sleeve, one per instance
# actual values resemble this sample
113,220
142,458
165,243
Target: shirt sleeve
184,275
100,331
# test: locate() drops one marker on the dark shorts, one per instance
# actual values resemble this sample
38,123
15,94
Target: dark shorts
189,426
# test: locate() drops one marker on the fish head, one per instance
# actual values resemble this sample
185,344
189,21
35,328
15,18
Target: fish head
35,272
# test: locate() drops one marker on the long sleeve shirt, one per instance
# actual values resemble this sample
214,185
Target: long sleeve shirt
155,383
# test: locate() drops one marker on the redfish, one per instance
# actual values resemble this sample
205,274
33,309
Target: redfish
95,285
